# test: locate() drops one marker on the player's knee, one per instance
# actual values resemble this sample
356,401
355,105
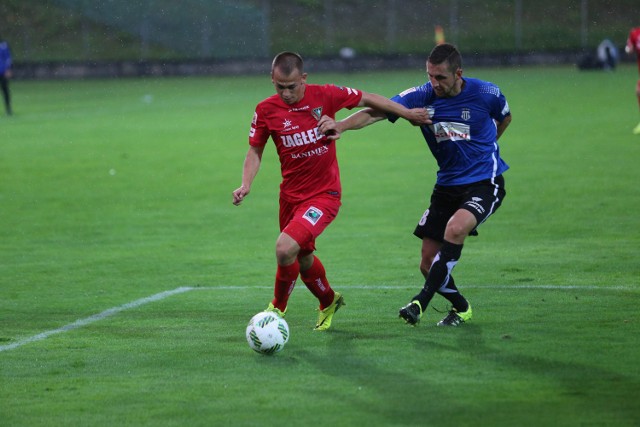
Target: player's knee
455,233
285,257
285,254
459,226
286,250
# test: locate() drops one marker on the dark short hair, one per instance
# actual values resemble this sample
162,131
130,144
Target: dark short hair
287,62
446,53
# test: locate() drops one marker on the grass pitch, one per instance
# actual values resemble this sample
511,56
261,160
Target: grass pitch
127,277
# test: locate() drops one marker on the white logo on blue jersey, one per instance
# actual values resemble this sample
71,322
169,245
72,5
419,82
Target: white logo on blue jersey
451,131
505,109
408,91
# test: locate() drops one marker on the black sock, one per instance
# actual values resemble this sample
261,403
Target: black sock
440,272
453,295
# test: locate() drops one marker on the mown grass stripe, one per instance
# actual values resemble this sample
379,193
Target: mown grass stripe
96,317
162,295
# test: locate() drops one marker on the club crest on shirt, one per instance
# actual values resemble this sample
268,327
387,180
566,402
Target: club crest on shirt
466,114
312,215
317,113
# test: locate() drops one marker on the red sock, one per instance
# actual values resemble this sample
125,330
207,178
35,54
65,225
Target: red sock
286,277
316,280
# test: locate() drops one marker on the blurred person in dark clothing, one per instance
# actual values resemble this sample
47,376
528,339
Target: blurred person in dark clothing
5,73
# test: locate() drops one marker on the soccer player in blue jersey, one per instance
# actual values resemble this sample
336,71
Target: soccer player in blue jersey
468,116
5,73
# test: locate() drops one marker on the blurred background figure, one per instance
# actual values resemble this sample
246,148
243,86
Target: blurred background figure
5,73
439,35
605,57
608,55
633,46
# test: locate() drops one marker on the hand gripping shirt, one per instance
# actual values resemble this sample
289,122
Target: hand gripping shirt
463,136
308,161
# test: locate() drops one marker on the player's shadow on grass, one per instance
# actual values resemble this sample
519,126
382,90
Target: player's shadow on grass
399,394
575,380
343,362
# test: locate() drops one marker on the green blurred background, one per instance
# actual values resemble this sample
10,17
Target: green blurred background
113,30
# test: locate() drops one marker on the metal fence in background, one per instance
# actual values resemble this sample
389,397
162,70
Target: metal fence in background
227,29
190,28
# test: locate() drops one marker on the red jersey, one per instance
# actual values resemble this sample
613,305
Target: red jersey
308,161
633,43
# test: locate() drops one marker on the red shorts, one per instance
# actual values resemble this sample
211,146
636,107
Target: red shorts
305,221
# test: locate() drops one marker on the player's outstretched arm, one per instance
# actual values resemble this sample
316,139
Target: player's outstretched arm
417,116
249,171
333,130
378,107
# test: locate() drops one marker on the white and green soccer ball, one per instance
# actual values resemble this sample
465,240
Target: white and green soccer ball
267,333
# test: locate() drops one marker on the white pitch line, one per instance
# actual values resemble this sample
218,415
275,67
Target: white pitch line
162,295
96,317
418,285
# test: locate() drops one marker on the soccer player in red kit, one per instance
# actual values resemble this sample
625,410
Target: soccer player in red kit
633,46
310,190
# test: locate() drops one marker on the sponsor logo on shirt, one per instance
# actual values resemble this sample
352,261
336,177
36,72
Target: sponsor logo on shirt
294,109
301,138
288,126
451,131
315,152
313,215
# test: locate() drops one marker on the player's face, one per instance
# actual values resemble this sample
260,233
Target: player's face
445,82
290,88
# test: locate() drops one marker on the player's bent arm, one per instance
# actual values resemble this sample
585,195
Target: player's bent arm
380,103
360,119
249,171
357,120
502,126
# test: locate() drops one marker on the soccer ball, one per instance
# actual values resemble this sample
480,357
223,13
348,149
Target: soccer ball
267,333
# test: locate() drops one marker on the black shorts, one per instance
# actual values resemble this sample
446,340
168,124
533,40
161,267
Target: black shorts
481,198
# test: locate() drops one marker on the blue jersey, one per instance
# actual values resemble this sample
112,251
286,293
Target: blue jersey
463,136
5,57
